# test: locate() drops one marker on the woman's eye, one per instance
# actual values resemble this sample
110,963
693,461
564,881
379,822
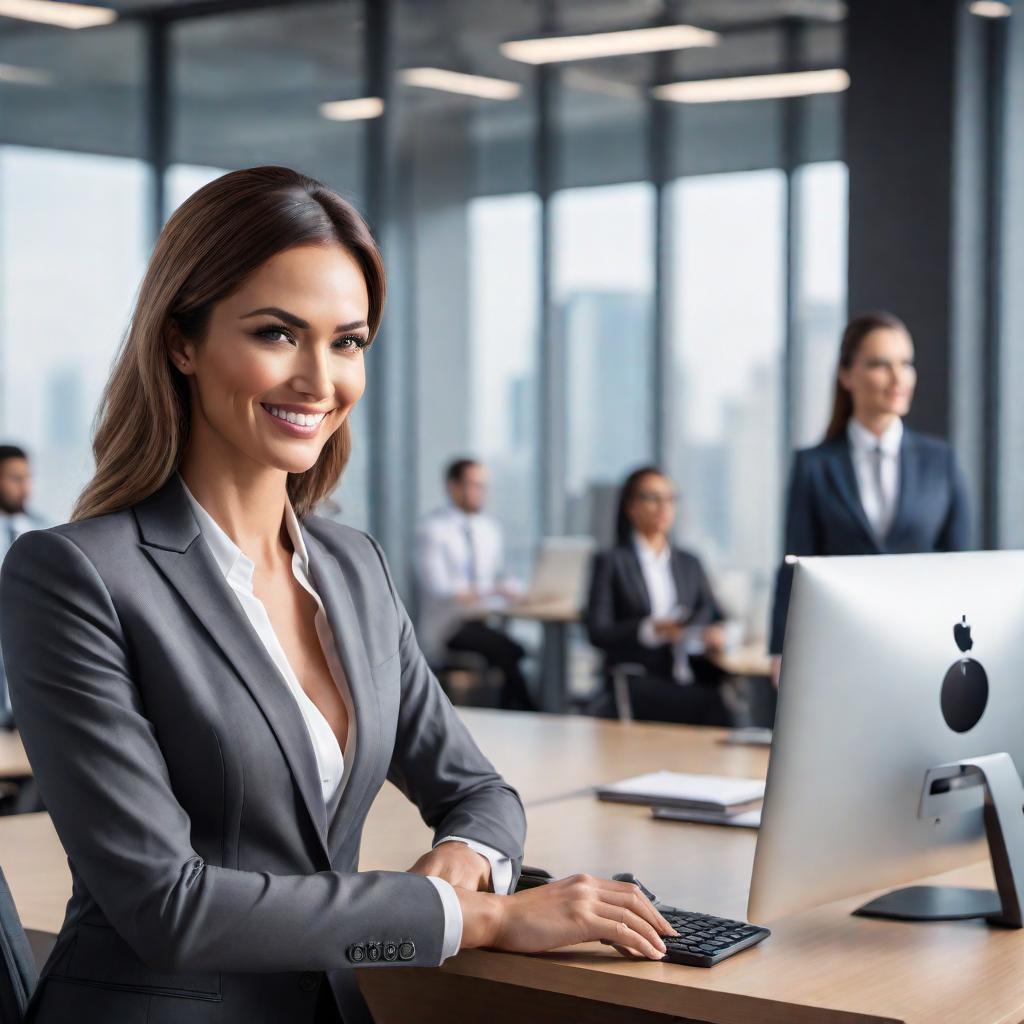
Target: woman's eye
274,334
352,341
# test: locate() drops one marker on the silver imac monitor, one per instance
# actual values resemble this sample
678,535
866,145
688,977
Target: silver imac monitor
892,665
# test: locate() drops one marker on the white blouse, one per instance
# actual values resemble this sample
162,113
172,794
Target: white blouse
238,570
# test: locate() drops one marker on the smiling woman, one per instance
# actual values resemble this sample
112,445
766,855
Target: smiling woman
213,683
208,253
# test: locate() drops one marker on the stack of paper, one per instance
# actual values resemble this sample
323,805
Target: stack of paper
706,799
710,793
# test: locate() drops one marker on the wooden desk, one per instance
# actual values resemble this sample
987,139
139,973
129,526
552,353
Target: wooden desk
555,618
819,967
748,660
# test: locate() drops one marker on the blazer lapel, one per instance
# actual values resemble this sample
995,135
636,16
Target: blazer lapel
908,487
172,539
329,582
844,480
635,579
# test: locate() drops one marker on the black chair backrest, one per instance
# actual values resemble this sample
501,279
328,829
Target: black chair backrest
18,975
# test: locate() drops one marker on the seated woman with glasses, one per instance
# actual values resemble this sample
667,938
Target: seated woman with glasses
651,606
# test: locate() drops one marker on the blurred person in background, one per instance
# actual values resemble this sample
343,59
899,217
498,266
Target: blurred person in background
651,605
460,571
871,486
15,519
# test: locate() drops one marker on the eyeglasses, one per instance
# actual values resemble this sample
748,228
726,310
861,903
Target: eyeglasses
654,497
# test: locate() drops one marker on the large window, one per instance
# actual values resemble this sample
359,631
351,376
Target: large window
603,288
727,310
820,295
502,395
67,280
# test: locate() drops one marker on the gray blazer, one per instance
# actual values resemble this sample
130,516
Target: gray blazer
208,884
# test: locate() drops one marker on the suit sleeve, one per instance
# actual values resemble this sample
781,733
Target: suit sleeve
102,775
955,534
605,630
439,767
801,538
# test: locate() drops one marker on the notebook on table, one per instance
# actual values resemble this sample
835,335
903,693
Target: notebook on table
711,793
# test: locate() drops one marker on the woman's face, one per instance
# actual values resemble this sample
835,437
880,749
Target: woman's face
281,364
652,509
882,377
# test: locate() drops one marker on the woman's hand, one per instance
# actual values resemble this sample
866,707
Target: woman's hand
575,909
457,864
715,638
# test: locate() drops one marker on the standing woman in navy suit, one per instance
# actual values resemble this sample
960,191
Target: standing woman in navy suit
872,486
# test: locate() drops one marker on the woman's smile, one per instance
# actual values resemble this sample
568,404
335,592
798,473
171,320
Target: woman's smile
293,420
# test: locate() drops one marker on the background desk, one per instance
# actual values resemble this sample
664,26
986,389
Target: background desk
555,618
820,966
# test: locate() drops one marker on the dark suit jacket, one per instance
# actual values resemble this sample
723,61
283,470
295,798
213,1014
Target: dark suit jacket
824,514
208,884
619,602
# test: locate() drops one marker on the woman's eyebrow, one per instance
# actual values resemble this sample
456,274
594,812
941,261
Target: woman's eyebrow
297,321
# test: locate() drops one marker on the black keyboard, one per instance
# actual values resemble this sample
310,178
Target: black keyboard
703,940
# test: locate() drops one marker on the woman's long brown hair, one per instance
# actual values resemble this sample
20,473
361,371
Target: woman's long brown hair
212,242
853,337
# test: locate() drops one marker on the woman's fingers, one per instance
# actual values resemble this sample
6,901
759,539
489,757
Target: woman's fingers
637,901
634,922
641,905
619,933
627,953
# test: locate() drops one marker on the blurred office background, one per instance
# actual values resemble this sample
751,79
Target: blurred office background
591,267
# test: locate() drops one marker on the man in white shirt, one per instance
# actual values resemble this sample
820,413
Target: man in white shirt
15,519
459,565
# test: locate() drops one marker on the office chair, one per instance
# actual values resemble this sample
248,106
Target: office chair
18,976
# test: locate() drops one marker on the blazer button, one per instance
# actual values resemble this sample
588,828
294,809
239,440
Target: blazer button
406,950
357,952
373,951
307,981
390,951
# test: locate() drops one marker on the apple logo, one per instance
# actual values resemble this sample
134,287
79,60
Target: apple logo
962,635
965,687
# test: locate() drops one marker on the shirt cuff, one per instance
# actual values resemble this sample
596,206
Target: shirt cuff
501,866
646,634
452,918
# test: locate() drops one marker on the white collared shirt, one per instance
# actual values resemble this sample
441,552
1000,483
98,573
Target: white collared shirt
879,507
445,568
238,570
656,567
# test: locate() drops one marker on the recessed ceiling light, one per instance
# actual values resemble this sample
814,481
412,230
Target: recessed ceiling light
755,87
362,109
467,85
50,13
990,9
16,75
553,49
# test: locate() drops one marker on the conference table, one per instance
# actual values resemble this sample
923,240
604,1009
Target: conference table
556,618
821,966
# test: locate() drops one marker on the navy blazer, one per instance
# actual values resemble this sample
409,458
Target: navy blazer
824,514
619,602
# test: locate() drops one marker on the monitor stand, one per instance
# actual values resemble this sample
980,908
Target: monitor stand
945,791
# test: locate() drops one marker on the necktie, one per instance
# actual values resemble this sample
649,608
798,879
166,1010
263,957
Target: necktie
12,533
470,554
884,510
